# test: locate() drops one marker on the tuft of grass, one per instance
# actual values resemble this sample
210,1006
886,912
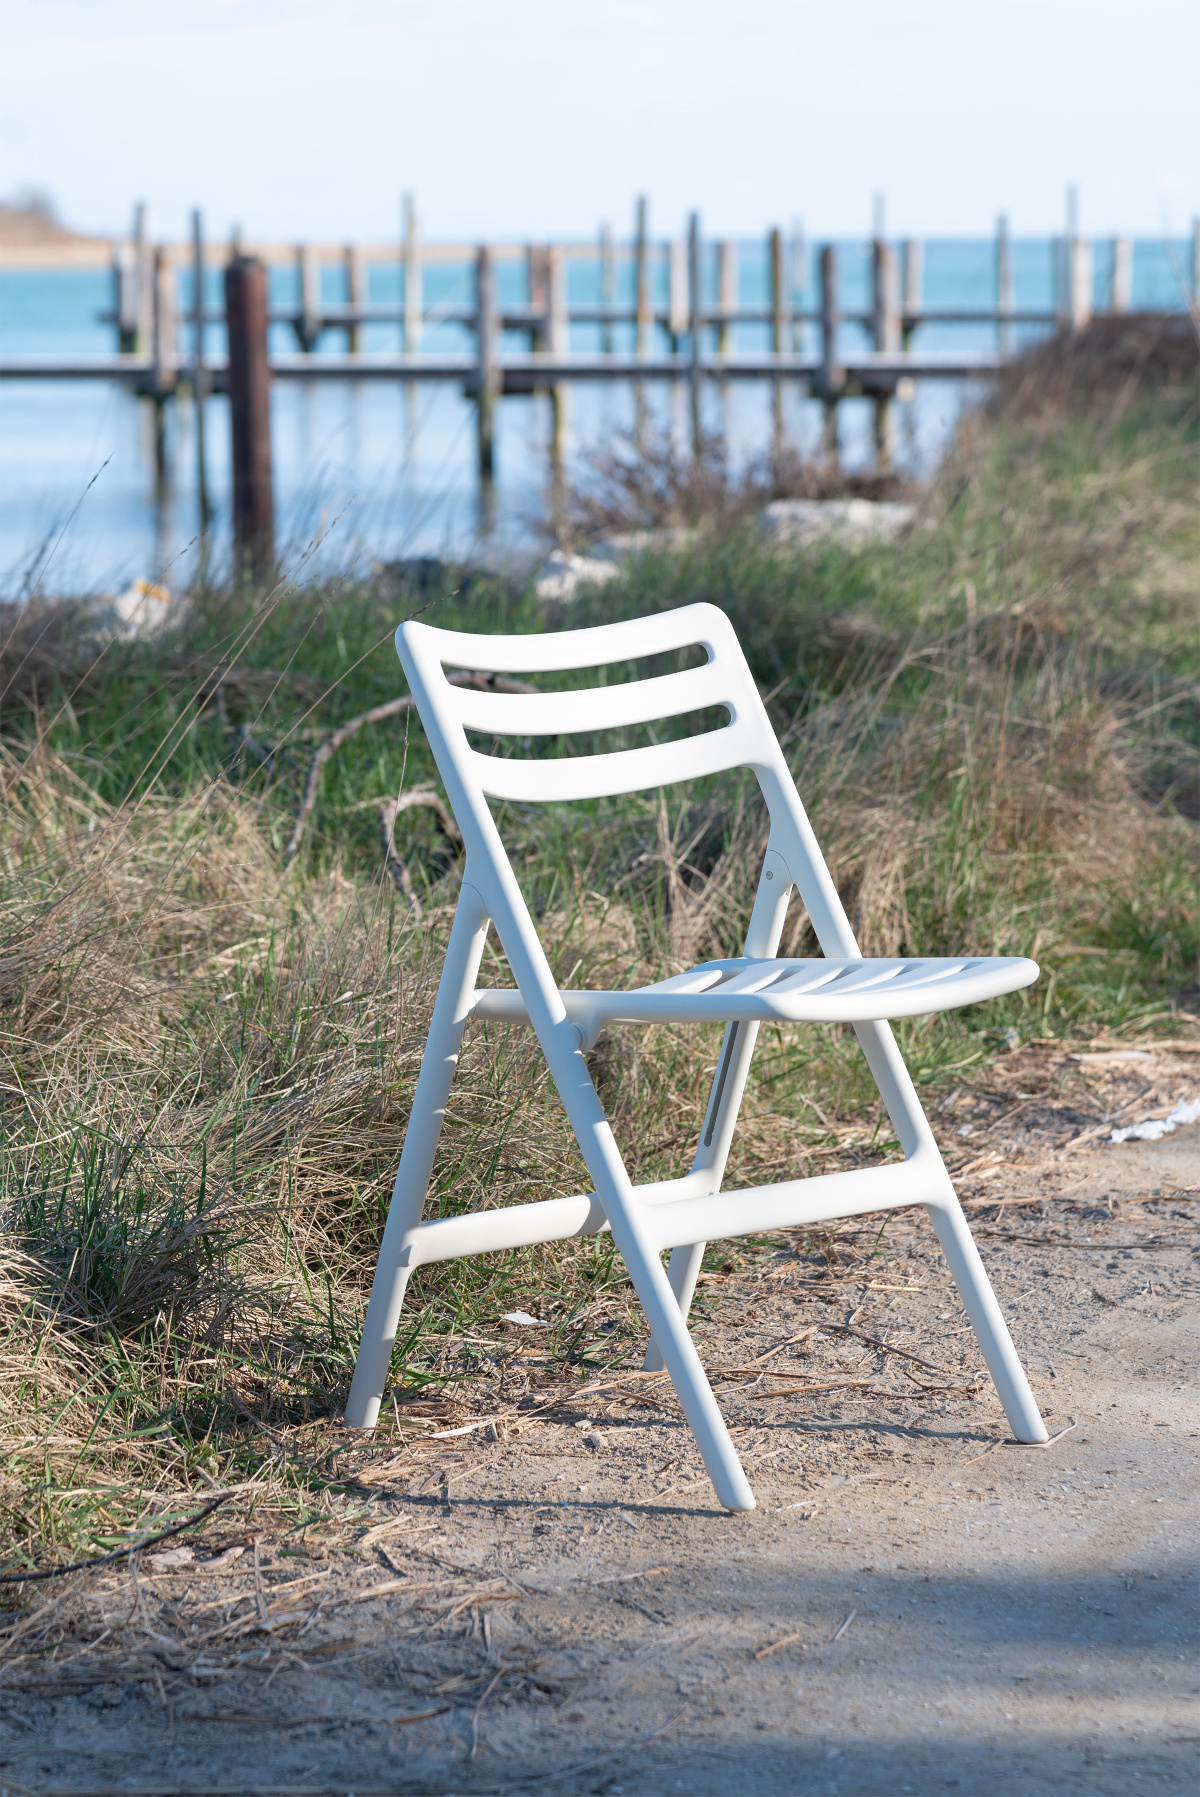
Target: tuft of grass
208,1057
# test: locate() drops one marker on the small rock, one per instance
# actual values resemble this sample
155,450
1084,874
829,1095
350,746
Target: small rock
852,522
593,1439
562,574
173,1557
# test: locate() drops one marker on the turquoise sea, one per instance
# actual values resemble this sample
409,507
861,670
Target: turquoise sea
373,471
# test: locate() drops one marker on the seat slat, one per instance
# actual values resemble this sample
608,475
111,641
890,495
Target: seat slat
816,991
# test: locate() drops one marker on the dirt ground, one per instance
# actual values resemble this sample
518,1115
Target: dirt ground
915,1606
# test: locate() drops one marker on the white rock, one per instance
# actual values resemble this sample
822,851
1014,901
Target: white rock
563,574
173,1557
854,522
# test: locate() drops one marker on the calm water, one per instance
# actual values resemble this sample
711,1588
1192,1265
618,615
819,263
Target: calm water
368,473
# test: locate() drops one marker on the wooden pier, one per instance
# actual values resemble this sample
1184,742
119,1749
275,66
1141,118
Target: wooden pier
685,337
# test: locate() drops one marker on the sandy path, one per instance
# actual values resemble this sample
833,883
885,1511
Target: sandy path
1022,1619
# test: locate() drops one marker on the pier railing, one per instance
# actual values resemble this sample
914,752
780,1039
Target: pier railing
677,328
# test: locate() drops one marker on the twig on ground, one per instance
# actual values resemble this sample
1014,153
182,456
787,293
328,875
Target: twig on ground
1044,1444
120,1553
478,1707
378,714
844,1627
883,1347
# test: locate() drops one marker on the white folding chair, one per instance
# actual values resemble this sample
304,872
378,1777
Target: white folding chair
841,986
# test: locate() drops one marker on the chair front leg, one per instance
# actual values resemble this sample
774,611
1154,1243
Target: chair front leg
438,1063
660,1304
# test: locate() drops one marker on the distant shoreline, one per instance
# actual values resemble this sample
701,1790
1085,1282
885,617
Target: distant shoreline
30,239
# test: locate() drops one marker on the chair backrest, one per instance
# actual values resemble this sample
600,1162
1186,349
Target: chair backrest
724,680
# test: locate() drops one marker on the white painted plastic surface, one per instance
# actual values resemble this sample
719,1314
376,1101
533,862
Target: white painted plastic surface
741,993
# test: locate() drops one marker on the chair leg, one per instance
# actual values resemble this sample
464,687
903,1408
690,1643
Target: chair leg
987,1320
438,1064
725,1101
957,1243
683,1270
658,1301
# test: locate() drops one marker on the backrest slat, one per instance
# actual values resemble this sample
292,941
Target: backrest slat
597,647
535,782
596,707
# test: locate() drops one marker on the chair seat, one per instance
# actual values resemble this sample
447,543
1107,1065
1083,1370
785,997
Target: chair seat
816,990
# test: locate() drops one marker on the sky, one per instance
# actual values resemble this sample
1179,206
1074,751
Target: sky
538,118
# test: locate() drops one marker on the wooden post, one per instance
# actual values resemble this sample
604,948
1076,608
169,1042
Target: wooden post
250,417
125,296
779,294
832,377
727,293
414,305
144,256
885,337
413,295
608,285
356,293
643,308
1120,289
914,289
538,274
885,307
307,322
695,333
678,309
644,299
487,375
558,341
1006,286
199,371
800,273
164,346
1080,272
780,332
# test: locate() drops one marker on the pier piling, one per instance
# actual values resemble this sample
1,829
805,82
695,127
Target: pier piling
199,371
250,417
487,374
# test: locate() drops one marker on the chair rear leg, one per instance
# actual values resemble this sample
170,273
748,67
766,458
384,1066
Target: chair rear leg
987,1320
438,1064
957,1243
725,1100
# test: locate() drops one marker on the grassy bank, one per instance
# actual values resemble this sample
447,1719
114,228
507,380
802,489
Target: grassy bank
209,1049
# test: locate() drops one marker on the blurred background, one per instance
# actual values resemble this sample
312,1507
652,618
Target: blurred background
983,176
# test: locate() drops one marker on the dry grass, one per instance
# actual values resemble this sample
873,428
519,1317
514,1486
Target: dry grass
208,1059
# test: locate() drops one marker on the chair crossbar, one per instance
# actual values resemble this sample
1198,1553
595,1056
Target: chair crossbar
757,987
677,1209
